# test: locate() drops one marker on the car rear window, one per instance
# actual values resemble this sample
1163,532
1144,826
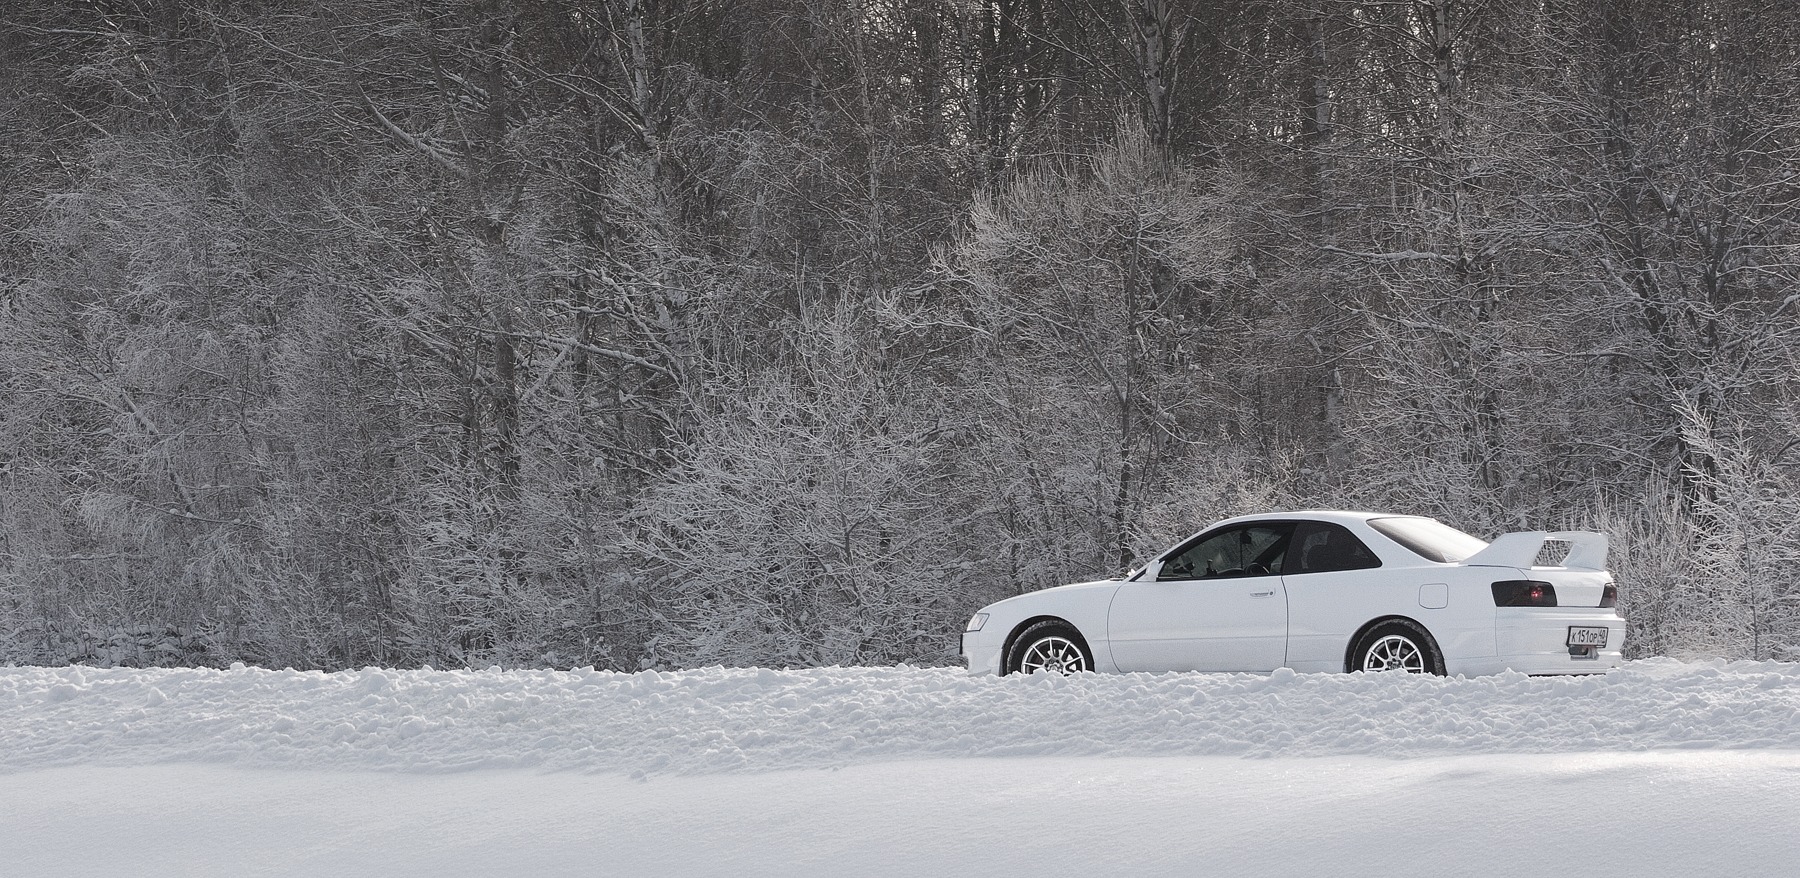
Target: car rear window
1429,539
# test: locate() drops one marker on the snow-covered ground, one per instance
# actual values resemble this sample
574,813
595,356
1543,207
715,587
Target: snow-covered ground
1660,768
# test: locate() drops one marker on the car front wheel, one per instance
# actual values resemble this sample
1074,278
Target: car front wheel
1050,647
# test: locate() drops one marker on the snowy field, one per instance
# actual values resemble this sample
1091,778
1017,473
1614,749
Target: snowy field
1660,768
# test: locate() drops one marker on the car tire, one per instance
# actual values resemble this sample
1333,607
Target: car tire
1049,647
1397,645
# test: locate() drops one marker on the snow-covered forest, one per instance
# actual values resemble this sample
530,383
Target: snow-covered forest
655,333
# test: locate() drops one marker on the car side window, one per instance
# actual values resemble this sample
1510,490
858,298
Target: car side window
1321,547
1250,550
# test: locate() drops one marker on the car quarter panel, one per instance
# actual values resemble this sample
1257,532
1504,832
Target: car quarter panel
1325,610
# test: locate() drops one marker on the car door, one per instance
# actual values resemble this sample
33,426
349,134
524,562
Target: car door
1216,604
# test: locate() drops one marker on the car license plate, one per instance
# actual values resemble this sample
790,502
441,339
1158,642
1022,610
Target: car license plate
1587,635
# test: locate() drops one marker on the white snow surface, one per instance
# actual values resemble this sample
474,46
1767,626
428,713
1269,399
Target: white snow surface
734,720
1660,768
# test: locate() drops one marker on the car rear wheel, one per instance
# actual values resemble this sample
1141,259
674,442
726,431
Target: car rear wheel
1397,646
1050,647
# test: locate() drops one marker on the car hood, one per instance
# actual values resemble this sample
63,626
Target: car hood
1059,589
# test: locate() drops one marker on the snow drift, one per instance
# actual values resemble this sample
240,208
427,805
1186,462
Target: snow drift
733,720
925,771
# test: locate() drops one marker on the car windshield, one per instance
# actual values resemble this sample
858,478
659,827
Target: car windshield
1431,540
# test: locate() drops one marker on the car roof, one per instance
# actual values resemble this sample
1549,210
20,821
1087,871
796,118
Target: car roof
1338,516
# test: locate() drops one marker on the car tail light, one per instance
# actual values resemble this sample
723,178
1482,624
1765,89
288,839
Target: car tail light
1610,597
1524,593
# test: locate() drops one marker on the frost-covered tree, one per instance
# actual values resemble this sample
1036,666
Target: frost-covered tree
815,516
1108,337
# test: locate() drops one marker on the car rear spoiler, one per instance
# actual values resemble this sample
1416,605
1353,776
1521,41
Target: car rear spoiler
1587,549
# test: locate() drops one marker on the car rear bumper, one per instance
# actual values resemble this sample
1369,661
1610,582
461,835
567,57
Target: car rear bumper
1536,641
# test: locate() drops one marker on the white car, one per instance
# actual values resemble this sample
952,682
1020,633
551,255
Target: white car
1322,591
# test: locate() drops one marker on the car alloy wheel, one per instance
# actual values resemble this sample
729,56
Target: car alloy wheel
1394,652
1057,655
1050,646
1396,645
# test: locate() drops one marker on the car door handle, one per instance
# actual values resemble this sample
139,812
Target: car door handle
1262,594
